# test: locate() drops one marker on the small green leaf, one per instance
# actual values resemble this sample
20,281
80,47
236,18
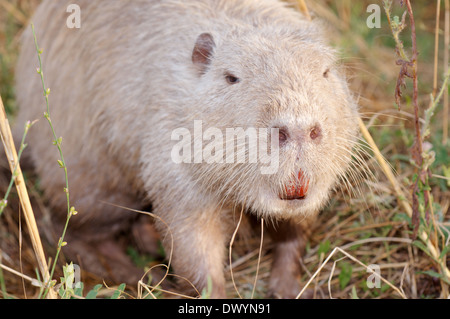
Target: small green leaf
58,141
444,252
396,20
118,292
93,293
385,288
353,295
422,246
72,211
69,274
324,247
345,275
206,292
78,291
61,291
446,171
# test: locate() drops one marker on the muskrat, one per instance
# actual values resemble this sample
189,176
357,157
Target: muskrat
135,73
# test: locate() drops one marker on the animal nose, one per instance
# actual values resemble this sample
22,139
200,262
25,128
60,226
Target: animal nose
315,132
300,136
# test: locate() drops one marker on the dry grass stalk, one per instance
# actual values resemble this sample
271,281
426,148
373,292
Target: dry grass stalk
259,257
33,281
19,16
231,250
386,169
338,249
150,291
11,154
304,8
141,284
400,195
446,58
436,48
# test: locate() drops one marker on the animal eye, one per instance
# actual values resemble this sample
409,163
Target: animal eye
283,136
325,74
231,79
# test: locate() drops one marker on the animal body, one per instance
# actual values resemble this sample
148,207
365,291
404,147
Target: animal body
129,89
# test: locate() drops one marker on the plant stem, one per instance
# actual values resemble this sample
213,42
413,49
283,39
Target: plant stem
446,58
4,201
25,203
422,160
418,139
57,142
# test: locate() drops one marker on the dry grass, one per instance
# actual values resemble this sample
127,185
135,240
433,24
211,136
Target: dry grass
371,226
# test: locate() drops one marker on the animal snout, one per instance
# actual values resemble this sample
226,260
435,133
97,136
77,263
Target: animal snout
300,136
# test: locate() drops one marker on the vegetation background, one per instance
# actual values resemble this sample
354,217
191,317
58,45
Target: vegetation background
370,225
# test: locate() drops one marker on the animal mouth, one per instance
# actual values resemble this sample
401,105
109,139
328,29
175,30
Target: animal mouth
297,188
292,197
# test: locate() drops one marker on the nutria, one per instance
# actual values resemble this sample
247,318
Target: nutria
135,73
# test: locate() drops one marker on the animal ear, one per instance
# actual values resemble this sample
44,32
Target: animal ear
203,51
